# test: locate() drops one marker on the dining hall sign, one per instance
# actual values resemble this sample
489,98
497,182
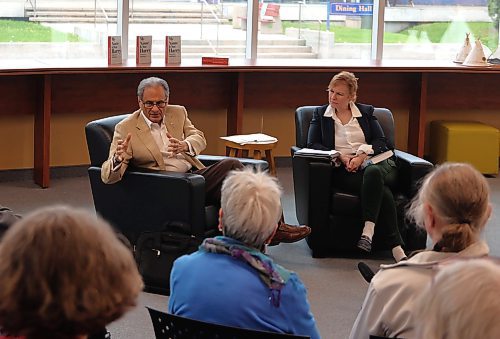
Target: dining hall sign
344,8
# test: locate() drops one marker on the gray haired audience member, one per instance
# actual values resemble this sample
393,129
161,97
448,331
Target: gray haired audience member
64,274
228,280
453,206
462,302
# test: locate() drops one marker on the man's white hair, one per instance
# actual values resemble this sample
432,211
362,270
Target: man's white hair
250,206
462,302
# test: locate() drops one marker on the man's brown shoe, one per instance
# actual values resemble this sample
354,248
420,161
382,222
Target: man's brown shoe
288,234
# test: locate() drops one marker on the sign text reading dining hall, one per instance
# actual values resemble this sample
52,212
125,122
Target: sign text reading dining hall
342,8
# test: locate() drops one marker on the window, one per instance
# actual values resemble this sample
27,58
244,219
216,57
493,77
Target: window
40,29
286,29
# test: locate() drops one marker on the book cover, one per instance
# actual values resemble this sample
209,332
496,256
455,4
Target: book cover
377,158
173,49
214,61
143,48
114,50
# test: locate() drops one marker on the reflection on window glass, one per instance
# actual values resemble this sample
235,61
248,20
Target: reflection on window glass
41,29
317,30
204,27
436,29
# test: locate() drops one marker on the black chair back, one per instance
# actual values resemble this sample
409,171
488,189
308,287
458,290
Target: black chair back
303,117
168,326
99,135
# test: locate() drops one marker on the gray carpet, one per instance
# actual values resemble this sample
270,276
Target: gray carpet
335,287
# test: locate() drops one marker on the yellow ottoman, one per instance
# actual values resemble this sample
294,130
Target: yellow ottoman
465,141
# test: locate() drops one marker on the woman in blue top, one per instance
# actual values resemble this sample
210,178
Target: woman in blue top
228,280
353,130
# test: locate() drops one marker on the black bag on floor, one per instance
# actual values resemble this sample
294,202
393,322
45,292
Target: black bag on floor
155,253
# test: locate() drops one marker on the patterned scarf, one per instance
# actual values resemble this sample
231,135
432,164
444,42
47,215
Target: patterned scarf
273,275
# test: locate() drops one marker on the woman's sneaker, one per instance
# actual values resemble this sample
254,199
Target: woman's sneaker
365,244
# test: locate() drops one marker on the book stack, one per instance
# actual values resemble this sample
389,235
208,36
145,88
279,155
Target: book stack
114,50
255,138
143,47
317,154
173,49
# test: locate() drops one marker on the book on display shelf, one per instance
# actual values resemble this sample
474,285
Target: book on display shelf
143,46
114,50
215,61
173,51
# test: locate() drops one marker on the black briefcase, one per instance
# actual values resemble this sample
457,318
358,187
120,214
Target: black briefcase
155,253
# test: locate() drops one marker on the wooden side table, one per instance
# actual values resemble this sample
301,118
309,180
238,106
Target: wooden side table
253,150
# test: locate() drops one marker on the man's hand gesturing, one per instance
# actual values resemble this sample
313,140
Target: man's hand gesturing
176,146
122,148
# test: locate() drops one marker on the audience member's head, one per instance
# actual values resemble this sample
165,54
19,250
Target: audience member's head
250,206
452,205
64,274
347,78
462,302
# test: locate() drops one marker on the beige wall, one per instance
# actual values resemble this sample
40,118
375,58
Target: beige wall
68,145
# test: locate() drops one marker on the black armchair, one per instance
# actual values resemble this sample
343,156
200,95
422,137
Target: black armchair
145,200
335,216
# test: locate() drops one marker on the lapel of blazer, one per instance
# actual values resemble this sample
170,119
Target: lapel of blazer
172,123
328,129
144,134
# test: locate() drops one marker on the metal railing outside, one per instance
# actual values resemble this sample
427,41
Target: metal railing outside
106,17
202,15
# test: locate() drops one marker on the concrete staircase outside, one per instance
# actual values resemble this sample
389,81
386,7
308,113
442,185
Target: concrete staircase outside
191,48
290,48
158,18
174,15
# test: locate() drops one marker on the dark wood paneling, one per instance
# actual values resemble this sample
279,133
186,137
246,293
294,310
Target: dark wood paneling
18,94
290,90
88,93
474,91
285,90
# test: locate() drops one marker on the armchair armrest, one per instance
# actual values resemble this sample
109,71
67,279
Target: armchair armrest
411,171
208,160
310,177
145,200
294,149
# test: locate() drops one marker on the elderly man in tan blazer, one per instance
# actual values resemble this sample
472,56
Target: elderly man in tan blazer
159,136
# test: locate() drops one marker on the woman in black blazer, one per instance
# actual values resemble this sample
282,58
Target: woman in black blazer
353,130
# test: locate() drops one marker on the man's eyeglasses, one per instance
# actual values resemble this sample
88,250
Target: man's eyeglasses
151,104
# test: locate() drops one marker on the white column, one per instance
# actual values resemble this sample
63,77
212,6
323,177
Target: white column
122,25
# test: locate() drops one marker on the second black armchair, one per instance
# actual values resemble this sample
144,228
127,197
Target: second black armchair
335,216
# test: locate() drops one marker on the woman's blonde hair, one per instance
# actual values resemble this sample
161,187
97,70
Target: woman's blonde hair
461,302
63,272
459,195
350,80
